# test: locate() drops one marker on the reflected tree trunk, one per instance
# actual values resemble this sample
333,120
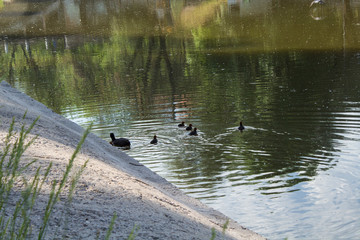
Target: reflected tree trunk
11,68
29,59
147,68
165,55
348,24
83,13
138,48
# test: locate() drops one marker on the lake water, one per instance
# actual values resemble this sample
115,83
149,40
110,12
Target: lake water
289,70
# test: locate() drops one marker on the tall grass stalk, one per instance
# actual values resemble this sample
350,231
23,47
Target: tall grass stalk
111,226
58,188
133,232
17,224
73,182
213,231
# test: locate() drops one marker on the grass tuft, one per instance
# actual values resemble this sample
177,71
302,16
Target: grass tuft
133,232
213,231
57,188
16,224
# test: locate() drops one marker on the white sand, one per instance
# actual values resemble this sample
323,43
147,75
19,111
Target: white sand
112,182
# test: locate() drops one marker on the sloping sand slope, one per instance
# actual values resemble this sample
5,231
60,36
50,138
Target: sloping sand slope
112,182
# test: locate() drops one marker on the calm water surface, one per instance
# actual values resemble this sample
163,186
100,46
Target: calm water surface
289,71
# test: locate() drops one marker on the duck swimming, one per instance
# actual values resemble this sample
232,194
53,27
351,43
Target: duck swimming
119,142
241,127
182,124
154,141
193,132
189,128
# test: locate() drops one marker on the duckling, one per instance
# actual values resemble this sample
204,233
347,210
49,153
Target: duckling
241,127
154,141
189,128
193,132
119,142
182,124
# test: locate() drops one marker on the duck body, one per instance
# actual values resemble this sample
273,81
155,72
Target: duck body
182,124
193,132
154,141
119,142
189,128
241,127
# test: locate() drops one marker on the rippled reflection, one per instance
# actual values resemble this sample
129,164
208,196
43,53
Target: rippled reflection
139,68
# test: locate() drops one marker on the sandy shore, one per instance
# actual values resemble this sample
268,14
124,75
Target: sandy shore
112,182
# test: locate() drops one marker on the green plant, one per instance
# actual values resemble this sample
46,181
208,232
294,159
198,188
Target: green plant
57,188
133,232
17,224
213,234
213,231
226,224
108,233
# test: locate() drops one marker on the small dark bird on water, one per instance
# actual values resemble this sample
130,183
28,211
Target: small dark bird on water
241,127
154,141
182,124
119,142
193,132
189,128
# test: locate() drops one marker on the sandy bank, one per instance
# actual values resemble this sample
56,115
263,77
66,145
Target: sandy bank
112,182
